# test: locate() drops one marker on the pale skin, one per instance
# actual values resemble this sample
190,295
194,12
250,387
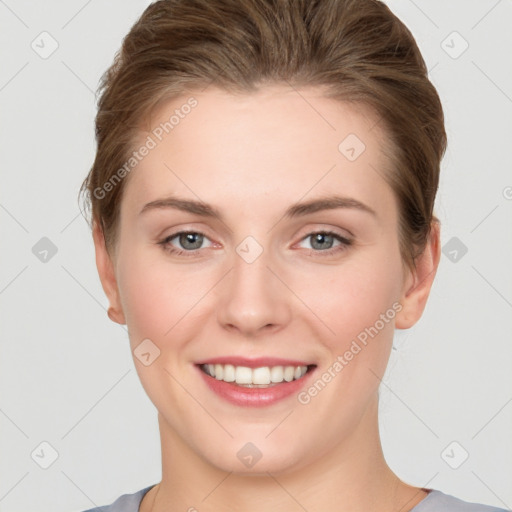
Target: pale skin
251,157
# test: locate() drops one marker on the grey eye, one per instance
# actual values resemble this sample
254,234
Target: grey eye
322,240
190,241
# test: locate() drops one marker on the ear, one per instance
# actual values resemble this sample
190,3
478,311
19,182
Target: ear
418,282
107,275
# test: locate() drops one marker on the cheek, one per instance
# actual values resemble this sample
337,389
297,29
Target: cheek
352,297
161,300
155,296
358,303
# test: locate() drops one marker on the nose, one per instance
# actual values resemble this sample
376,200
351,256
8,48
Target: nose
254,301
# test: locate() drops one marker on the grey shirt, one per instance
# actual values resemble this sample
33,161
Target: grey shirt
435,501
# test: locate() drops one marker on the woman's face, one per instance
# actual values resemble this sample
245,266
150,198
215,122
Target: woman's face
260,279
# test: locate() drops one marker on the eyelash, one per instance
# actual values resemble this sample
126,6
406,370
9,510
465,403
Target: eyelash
345,243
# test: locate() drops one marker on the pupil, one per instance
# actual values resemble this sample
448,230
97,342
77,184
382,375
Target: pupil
192,238
321,237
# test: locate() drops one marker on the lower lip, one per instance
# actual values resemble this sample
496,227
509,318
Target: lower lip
254,397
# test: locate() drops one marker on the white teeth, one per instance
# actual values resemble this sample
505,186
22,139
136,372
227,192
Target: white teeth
288,373
276,374
229,373
254,377
219,371
261,375
243,375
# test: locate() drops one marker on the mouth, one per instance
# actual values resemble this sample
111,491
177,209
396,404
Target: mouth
256,376
259,382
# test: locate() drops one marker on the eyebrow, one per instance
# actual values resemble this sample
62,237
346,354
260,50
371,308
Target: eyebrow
296,210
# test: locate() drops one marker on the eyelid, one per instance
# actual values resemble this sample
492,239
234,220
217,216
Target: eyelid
307,232
344,242
342,233
162,240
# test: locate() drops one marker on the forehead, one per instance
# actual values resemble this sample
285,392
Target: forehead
279,143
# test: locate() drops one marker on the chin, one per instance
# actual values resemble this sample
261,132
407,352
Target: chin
256,458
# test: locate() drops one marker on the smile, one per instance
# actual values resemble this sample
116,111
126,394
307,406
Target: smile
261,377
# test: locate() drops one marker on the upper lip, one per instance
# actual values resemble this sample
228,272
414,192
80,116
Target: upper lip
257,362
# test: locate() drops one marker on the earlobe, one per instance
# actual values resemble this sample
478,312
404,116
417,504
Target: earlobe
419,282
107,276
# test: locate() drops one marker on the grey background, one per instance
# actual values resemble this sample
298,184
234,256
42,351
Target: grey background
67,376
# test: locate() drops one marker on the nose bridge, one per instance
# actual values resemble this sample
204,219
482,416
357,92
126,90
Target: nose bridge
253,298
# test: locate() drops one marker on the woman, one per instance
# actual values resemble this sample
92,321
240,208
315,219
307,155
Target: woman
235,138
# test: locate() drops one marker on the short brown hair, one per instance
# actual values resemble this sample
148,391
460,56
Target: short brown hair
358,50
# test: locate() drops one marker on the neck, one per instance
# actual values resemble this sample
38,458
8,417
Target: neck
352,476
